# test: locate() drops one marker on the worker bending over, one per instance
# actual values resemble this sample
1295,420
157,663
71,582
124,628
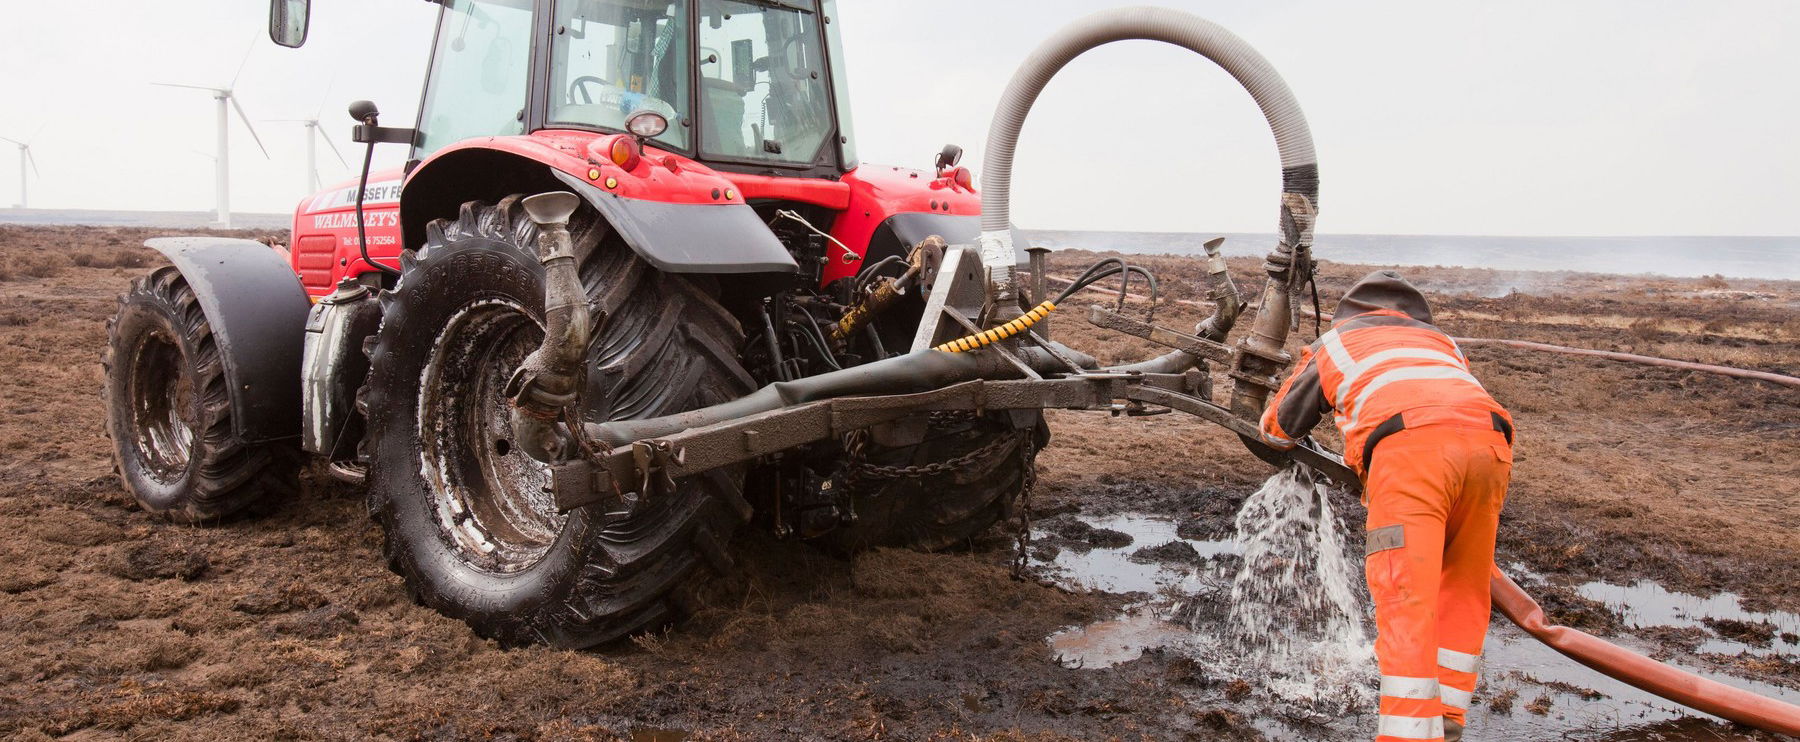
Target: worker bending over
1435,453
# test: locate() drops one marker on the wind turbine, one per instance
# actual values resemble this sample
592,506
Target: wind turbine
25,158
314,134
222,163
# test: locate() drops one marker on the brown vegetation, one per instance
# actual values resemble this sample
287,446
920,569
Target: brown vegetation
289,626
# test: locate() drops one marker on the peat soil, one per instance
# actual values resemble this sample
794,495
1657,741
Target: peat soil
117,625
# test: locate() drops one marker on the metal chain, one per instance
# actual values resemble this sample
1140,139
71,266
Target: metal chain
856,448
1021,565
864,470
948,418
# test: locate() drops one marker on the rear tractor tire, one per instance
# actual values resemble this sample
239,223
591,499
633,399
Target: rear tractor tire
466,516
168,410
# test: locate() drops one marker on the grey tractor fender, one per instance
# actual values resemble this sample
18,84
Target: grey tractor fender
257,310
689,238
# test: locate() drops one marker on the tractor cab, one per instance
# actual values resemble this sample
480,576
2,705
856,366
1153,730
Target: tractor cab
743,85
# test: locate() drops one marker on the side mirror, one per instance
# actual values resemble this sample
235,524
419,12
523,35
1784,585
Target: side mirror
288,21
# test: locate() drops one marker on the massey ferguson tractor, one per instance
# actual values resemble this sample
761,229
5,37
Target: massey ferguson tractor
633,291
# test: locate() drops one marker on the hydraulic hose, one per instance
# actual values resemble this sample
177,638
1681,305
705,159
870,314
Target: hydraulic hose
1612,660
989,337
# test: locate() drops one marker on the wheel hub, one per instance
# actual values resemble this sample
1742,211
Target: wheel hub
162,407
492,502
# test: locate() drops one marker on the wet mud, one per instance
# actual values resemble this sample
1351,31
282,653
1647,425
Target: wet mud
1642,496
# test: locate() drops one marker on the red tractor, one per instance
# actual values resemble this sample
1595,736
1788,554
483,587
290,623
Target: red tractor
611,210
632,291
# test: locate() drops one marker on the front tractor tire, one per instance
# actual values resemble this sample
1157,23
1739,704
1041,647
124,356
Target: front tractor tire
169,410
467,520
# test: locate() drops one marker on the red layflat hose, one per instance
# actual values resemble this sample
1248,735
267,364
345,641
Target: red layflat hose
1680,686
1741,373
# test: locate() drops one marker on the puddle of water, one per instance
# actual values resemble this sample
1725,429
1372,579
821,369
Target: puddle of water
1113,570
1646,604
1116,641
1582,703
1577,703
1143,626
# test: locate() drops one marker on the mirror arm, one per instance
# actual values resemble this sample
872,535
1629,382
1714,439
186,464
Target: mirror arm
371,134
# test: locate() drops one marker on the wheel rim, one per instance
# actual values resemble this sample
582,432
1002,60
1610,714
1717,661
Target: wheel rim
492,502
162,407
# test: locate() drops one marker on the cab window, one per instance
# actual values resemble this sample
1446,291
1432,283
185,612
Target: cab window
479,76
613,58
763,86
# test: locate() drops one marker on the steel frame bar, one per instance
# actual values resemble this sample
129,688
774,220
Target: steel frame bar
624,474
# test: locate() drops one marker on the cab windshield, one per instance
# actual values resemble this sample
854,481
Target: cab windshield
763,86
613,58
759,64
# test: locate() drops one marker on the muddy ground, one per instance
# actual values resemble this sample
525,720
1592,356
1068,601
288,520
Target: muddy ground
115,625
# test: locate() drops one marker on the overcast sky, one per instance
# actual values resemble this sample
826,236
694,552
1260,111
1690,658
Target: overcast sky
1568,117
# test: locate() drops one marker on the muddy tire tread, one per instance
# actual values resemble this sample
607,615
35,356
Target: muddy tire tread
227,476
632,574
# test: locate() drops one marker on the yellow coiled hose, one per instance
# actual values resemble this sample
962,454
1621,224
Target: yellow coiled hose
1000,333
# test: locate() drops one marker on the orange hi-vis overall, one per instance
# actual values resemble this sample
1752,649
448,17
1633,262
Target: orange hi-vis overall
1435,454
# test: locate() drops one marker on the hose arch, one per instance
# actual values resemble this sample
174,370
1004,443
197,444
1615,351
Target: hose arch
1289,265
1299,164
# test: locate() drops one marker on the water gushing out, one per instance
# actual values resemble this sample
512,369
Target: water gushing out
1296,622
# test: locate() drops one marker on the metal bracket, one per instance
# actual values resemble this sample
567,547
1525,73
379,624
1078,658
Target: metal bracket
652,459
1198,347
960,288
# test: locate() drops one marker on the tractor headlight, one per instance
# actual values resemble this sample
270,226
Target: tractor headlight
646,124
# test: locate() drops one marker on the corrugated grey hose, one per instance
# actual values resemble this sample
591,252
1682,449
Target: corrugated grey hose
1299,166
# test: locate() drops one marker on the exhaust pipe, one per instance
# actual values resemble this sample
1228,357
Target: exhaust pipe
548,380
1227,302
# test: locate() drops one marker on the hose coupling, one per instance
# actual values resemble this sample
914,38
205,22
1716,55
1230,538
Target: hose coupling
1227,302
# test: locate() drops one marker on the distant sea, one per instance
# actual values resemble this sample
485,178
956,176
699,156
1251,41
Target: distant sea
1732,257
162,219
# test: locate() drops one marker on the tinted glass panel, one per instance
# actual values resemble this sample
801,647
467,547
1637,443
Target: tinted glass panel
478,80
762,81
612,58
